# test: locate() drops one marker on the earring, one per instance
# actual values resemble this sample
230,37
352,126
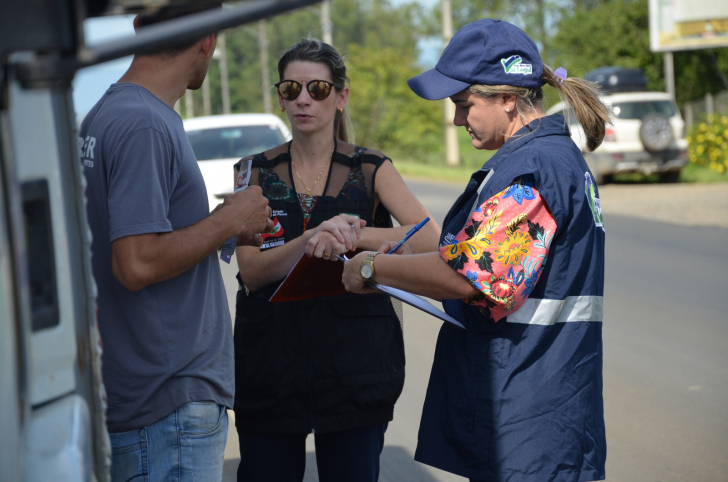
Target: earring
283,109
341,111
508,109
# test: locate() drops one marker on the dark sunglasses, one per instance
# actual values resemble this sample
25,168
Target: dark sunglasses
317,89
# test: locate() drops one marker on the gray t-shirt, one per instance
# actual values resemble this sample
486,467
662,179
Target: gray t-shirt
171,342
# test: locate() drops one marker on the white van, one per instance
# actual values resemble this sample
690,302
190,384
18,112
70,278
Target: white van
52,400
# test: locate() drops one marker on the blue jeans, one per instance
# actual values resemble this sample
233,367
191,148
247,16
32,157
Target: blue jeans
186,445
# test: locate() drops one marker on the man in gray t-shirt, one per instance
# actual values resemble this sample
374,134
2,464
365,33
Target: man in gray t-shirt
163,313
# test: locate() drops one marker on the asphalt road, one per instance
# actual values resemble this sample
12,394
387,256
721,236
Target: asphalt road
665,356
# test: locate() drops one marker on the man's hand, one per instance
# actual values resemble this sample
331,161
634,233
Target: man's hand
248,210
254,240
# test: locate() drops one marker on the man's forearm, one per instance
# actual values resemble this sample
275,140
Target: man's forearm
138,261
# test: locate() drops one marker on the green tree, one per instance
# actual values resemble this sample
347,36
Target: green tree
617,33
379,41
386,113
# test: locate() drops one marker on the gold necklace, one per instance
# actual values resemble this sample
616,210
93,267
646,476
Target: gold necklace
308,190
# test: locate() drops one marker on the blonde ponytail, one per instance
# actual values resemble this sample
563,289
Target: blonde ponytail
583,98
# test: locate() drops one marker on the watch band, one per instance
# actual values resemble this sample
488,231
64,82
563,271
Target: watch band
367,266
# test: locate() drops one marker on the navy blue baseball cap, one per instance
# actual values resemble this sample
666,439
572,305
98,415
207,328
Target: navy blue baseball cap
490,52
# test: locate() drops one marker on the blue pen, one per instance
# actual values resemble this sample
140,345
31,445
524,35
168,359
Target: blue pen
409,235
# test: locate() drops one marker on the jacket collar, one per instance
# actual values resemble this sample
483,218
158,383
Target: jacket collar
544,126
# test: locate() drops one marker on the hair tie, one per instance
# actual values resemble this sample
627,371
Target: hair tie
560,74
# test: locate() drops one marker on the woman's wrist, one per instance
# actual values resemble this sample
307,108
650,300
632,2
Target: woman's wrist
365,242
308,234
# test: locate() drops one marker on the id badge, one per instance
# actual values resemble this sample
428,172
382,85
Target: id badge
227,250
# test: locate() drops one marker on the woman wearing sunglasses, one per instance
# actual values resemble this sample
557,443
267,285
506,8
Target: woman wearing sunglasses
331,366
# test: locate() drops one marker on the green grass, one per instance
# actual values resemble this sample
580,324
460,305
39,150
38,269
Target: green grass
461,174
636,178
434,172
690,173
431,164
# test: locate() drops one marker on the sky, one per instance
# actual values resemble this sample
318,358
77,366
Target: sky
91,83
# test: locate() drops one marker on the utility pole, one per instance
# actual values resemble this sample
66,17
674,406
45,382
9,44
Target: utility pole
452,150
264,69
224,84
326,22
669,74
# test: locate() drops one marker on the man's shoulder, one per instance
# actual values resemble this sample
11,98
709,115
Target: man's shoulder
129,107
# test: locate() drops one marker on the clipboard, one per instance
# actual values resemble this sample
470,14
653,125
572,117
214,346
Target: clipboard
311,278
417,301
316,277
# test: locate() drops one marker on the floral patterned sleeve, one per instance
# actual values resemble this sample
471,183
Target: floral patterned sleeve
503,248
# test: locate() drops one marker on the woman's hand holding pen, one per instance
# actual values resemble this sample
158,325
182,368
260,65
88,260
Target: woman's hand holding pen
352,278
387,246
335,236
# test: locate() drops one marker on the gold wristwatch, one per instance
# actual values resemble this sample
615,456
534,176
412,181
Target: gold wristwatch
367,266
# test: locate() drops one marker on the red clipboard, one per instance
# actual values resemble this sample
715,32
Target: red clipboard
312,278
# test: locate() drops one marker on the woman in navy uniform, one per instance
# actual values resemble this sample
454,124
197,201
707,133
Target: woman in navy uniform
333,366
517,395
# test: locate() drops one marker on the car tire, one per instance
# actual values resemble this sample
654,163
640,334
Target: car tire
656,133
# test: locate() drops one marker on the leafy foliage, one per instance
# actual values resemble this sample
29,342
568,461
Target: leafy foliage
617,33
385,111
709,144
380,41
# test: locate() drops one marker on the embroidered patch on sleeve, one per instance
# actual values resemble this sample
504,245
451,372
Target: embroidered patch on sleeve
593,200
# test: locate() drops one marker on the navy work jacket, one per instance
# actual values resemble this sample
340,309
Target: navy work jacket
521,398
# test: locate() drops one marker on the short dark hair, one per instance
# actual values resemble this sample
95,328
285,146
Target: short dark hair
168,13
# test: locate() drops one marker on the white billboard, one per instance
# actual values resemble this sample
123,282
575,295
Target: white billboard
688,24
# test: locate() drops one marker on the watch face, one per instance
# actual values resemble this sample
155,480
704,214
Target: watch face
366,271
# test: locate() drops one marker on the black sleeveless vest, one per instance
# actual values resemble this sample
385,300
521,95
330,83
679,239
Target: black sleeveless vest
320,365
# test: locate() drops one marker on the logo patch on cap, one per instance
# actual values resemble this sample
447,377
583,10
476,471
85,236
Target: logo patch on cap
513,65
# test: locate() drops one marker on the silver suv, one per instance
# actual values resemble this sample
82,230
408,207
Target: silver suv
647,134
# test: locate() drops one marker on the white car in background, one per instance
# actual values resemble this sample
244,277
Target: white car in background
219,141
647,134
